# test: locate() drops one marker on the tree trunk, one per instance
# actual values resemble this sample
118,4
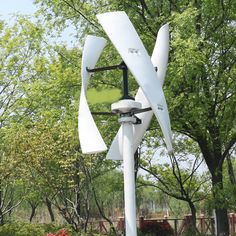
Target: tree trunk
78,200
1,213
33,210
230,171
193,213
102,213
222,224
214,161
49,207
1,218
87,210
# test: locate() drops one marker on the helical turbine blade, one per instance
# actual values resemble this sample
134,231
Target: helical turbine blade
160,52
160,60
127,42
90,138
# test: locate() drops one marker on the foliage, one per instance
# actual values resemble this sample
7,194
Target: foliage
40,137
177,176
39,90
21,229
19,45
109,190
24,229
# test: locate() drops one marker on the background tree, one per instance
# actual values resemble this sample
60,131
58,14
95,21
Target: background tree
18,46
49,142
208,92
200,81
178,176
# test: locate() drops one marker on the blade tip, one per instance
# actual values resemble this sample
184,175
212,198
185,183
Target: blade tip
93,151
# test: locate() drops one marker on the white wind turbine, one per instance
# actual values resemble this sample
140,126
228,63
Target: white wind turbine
150,94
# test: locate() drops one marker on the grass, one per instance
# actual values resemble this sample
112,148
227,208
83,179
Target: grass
103,96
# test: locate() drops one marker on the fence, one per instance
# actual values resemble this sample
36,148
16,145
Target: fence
232,223
205,225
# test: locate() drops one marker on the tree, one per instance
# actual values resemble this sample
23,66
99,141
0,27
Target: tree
177,177
208,87
18,46
109,190
49,142
200,82
11,185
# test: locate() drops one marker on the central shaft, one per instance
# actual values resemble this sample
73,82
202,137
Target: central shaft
125,109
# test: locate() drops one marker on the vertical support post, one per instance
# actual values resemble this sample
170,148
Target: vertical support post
125,83
141,222
125,108
121,225
202,223
175,227
232,223
213,228
230,218
129,176
124,68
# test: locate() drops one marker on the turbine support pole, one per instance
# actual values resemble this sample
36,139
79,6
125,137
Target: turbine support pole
125,109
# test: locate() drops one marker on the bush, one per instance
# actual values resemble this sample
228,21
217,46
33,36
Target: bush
29,229
156,228
54,229
21,229
61,232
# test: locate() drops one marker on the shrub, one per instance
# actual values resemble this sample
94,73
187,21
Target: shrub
54,229
21,229
29,229
156,228
61,232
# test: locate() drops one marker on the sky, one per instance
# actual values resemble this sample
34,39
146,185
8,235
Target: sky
26,7
8,7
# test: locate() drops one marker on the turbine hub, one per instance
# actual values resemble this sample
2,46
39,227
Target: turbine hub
125,106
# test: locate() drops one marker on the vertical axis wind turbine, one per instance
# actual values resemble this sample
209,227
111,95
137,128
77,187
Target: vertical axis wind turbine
150,96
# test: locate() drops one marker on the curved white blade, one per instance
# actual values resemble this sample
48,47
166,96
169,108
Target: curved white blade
124,37
89,136
161,52
159,59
